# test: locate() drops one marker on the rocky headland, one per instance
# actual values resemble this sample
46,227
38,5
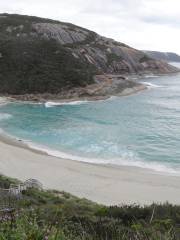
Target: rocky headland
164,56
47,59
104,87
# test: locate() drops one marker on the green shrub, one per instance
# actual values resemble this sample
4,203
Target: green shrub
58,215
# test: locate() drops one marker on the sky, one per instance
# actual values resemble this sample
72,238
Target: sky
142,24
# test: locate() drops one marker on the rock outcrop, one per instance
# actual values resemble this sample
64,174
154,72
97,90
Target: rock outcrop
106,54
164,56
45,56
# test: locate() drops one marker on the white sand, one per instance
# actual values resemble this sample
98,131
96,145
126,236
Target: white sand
103,184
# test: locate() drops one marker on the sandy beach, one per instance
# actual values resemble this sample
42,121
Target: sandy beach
103,184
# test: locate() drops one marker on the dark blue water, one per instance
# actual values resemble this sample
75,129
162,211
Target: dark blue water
138,130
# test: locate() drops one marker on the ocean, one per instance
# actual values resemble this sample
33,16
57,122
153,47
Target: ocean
141,130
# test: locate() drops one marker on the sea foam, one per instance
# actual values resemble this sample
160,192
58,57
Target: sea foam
151,85
3,101
5,116
157,167
54,104
150,76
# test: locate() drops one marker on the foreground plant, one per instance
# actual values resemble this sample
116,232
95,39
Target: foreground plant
53,215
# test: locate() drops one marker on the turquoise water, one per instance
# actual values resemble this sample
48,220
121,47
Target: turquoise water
138,130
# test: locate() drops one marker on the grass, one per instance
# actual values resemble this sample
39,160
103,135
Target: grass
41,214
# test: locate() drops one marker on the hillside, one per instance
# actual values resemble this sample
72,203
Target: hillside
36,214
165,56
45,56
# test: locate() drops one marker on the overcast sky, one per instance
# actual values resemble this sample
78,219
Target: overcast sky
143,24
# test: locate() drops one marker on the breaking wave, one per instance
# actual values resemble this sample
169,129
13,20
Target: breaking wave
127,161
53,104
5,116
3,101
151,85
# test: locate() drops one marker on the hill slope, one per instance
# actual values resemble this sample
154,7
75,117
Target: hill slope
45,56
165,56
39,214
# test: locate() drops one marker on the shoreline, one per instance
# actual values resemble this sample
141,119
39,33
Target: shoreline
89,93
105,184
43,150
40,99
104,87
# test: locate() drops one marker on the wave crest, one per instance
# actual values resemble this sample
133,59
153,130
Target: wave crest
126,162
54,104
151,85
3,101
5,116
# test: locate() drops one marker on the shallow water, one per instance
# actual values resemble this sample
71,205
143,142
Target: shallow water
138,130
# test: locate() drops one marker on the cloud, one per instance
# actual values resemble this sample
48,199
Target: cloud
173,21
143,24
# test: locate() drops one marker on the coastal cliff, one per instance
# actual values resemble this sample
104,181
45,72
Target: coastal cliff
164,56
40,56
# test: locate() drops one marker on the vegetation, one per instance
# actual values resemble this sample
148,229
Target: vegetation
38,66
57,215
38,58
113,57
15,20
145,58
5,182
34,64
